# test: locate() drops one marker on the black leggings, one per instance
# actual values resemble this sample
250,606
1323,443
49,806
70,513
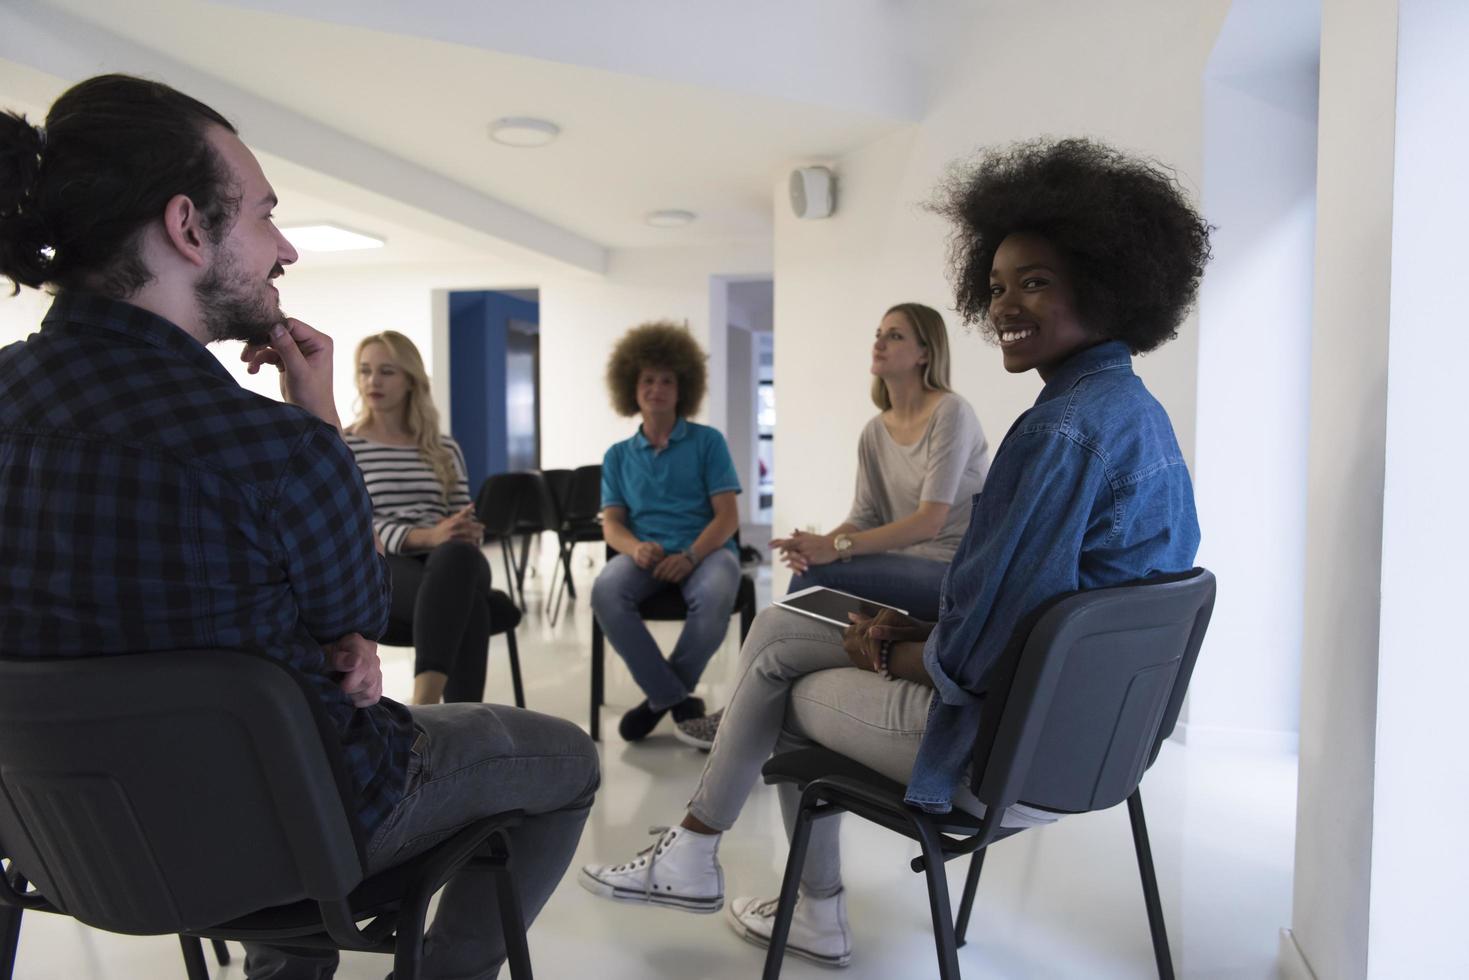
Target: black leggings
445,596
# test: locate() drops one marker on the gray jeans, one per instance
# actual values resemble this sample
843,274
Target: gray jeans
797,688
472,761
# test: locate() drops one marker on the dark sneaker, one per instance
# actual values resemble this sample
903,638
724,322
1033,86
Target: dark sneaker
688,709
700,732
639,721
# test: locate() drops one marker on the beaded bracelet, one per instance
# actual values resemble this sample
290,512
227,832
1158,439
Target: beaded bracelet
884,655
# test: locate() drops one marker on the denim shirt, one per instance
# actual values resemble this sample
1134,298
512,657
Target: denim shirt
1088,489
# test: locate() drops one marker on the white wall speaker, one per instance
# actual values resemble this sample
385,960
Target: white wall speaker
813,192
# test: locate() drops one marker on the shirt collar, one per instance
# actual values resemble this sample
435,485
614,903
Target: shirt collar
1103,357
78,308
680,429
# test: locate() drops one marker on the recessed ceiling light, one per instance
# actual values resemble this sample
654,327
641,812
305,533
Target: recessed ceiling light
672,218
329,238
523,131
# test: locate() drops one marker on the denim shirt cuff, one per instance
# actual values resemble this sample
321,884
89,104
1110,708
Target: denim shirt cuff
948,689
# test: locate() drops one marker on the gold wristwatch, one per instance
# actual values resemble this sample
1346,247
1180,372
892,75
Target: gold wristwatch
843,545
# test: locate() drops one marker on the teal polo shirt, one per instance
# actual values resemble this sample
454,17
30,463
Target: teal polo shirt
666,491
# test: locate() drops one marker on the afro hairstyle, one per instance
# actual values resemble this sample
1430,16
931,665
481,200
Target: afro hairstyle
664,346
1135,246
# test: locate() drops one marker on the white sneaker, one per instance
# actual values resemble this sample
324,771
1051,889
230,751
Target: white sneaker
818,928
681,870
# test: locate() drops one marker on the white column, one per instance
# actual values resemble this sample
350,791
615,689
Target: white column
1354,181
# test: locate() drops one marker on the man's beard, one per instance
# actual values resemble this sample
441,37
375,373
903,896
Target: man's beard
233,306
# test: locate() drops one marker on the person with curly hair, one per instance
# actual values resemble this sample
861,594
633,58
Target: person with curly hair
1073,257
668,509
422,513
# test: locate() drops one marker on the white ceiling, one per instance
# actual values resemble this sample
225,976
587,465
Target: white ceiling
384,130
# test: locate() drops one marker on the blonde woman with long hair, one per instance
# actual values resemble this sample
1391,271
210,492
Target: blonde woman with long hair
416,477
920,461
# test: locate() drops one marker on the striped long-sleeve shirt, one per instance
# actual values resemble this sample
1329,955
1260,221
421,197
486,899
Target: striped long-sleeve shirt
405,492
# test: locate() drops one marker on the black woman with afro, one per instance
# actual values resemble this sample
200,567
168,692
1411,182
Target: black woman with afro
1072,258
668,509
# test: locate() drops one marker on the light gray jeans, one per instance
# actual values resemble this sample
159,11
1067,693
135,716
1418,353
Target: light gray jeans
797,688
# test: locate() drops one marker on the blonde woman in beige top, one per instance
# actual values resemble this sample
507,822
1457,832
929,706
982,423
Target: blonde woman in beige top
920,462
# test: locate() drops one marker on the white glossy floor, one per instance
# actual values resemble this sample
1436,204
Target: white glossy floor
1058,902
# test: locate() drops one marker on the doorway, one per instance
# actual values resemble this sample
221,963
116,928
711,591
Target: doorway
494,380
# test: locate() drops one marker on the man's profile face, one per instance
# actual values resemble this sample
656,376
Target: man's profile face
236,297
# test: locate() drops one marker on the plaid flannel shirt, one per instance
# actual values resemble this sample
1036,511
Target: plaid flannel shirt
148,502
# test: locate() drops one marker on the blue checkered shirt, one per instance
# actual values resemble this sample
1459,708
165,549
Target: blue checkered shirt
148,502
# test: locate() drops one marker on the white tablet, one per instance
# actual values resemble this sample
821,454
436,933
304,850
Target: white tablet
831,606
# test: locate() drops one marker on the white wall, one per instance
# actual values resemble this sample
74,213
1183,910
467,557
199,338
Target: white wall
1420,862
20,315
1128,72
1354,186
582,315
1255,374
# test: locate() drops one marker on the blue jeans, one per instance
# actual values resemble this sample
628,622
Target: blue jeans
710,592
472,761
899,580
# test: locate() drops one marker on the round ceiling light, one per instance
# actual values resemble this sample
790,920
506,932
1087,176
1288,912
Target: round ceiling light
523,131
672,218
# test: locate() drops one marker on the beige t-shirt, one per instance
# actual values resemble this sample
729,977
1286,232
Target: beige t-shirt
947,464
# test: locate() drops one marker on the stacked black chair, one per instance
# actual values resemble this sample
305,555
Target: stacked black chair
538,512
555,492
499,506
202,793
1079,712
581,522
665,605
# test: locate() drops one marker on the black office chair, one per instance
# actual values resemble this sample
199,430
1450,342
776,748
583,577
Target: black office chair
499,506
666,605
1079,713
581,522
202,793
505,616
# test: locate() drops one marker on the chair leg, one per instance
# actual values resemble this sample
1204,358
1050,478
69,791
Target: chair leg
566,587
9,939
938,902
789,888
514,650
221,951
566,561
524,562
966,905
1150,886
408,946
747,619
597,680
512,919
507,546
194,963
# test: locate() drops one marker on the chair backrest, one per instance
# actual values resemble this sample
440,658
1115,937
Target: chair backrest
159,792
503,499
1095,691
556,486
584,499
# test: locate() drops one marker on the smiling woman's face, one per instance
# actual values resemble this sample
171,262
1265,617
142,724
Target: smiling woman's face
1033,306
